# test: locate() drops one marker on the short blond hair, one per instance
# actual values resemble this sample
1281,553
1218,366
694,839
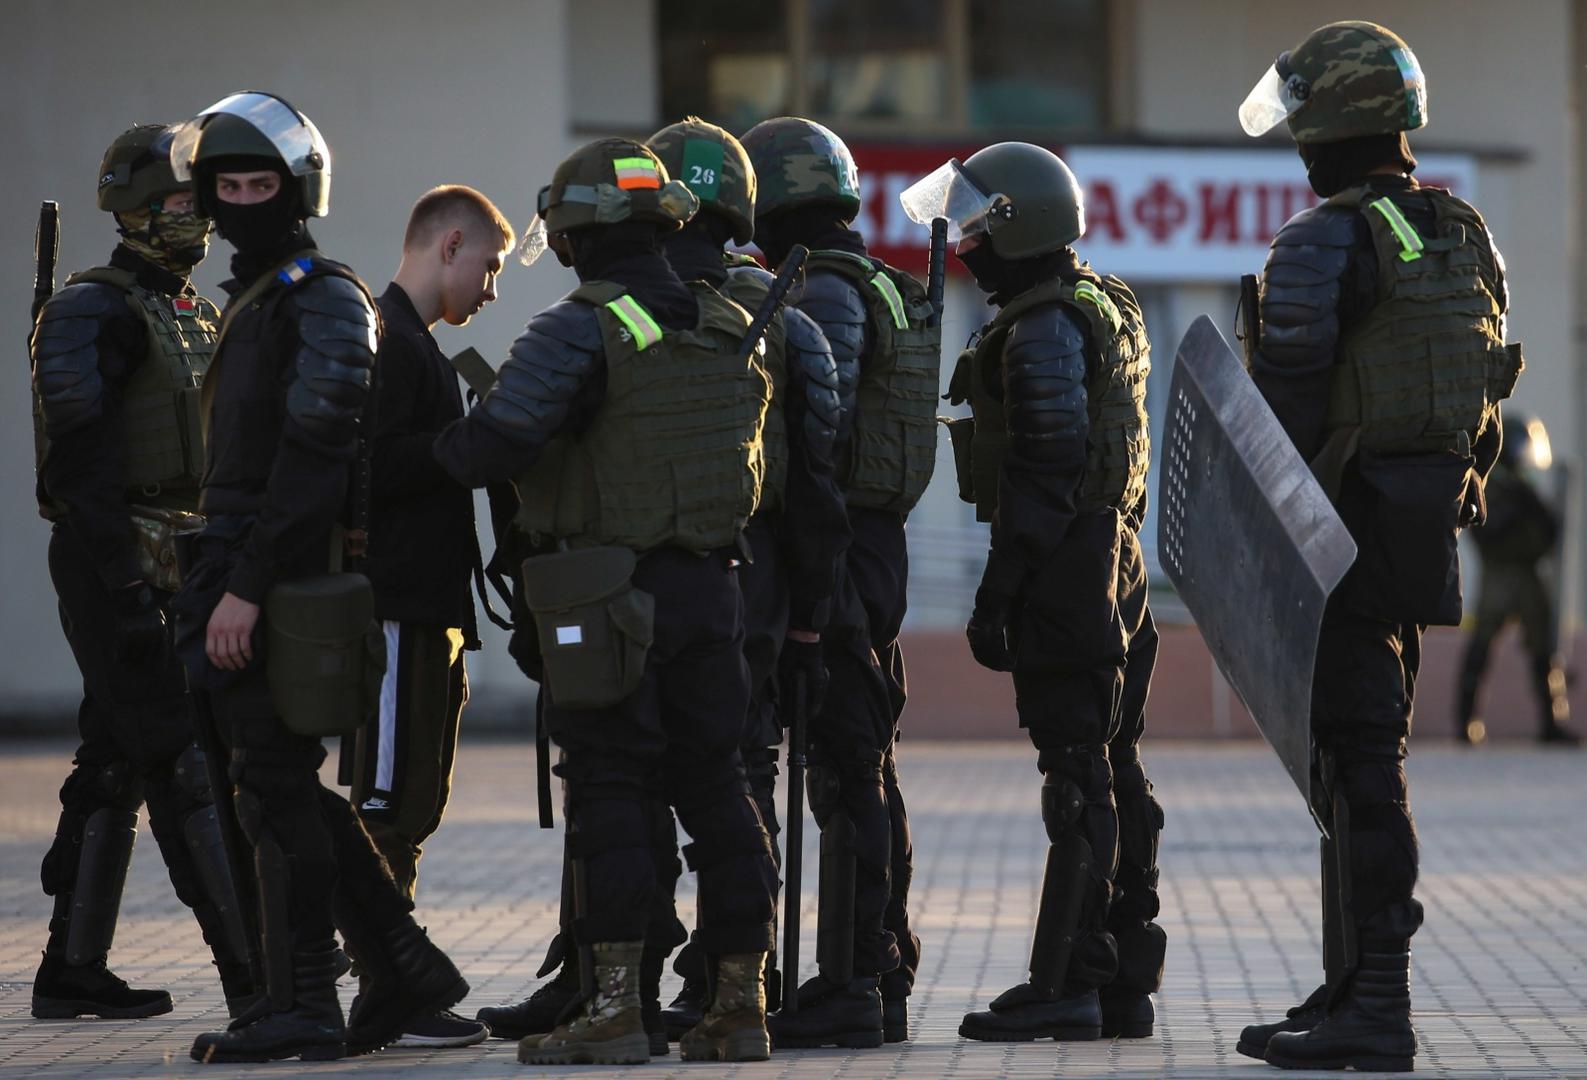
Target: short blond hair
454,205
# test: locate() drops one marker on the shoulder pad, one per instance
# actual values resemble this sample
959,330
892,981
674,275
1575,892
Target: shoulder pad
1053,329
557,352
1301,286
1322,226
65,350
837,307
569,322
754,271
337,329
1044,371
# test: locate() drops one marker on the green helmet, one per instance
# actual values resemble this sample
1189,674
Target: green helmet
136,170
713,164
253,124
1346,80
1024,198
603,183
798,162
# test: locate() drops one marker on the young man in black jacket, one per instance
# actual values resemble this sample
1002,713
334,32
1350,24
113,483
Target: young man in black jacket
422,545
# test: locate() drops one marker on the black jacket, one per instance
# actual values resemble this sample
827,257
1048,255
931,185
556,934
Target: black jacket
422,545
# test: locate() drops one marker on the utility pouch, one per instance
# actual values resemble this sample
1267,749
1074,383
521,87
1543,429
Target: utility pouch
324,653
961,435
158,532
595,627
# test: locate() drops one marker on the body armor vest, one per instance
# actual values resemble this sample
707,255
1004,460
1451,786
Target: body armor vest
1118,441
748,291
895,429
161,421
673,454
1427,367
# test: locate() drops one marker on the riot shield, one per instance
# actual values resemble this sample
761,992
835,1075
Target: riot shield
1251,543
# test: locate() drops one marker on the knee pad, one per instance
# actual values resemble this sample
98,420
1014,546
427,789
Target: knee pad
190,779
91,787
823,789
1062,803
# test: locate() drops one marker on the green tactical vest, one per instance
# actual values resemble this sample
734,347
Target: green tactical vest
895,426
749,293
1118,444
673,455
161,419
1427,367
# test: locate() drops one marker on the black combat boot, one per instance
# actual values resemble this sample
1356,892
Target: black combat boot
895,987
409,977
1127,1013
540,1011
1368,1030
1303,1017
686,1009
62,991
1025,1013
832,1014
311,1029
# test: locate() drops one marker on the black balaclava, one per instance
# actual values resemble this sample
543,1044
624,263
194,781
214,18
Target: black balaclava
695,251
1005,279
1331,167
263,233
629,254
819,226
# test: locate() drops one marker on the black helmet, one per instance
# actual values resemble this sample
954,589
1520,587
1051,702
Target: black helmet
253,124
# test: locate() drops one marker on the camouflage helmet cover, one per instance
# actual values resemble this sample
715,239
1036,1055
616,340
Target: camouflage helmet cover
1344,81
136,169
713,165
603,183
797,162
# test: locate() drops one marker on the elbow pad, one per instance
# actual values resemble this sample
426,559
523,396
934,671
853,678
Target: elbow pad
809,354
1044,384
545,367
66,375
337,331
1301,288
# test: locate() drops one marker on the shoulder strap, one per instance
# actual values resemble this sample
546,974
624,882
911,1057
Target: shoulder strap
628,311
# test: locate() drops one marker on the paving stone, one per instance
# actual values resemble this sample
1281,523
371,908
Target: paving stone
1500,968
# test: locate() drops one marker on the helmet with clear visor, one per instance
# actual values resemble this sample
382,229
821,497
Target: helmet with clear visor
258,124
1345,81
1022,197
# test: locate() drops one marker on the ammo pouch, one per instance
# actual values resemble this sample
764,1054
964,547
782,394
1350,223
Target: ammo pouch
595,627
324,653
157,533
961,436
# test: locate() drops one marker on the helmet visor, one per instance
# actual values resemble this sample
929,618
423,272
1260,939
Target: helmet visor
949,193
294,137
1272,100
534,243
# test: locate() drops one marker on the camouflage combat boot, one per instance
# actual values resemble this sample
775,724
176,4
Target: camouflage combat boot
734,1026
611,1030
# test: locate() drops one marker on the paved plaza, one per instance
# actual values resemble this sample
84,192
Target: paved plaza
1500,968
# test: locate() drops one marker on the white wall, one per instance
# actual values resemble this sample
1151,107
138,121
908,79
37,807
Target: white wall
408,95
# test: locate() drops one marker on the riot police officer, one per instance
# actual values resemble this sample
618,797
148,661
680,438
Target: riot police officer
800,529
888,352
1382,352
630,416
1523,529
118,355
283,401
1055,457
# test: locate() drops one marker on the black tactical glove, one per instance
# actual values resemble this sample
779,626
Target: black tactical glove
988,630
802,660
140,626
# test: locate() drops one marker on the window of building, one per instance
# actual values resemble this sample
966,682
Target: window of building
921,67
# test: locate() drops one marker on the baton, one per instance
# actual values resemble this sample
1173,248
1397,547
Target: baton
46,248
793,849
937,268
776,293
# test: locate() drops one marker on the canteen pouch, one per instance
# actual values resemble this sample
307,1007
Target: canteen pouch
324,653
595,627
157,532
